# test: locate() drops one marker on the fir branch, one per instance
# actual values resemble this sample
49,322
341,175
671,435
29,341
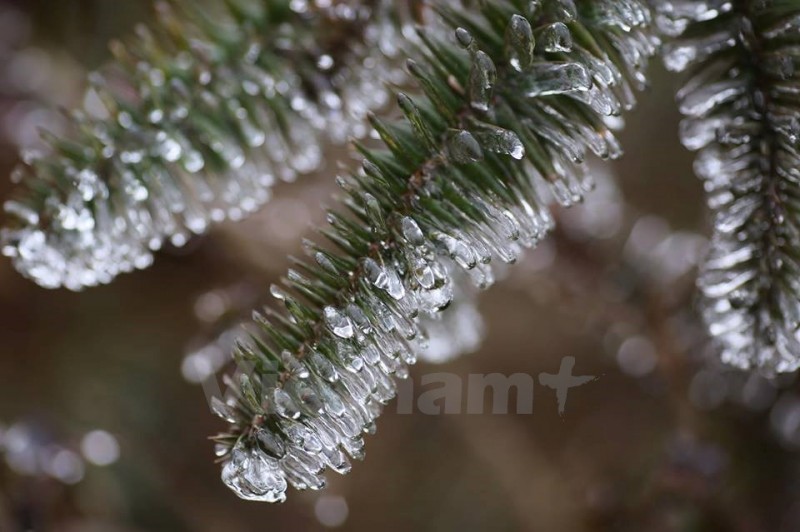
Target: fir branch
448,335
741,106
456,188
192,123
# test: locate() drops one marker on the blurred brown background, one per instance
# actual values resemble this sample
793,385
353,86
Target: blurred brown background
636,450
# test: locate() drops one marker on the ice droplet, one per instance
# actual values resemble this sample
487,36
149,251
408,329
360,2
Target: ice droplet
499,140
555,78
412,231
253,476
384,278
556,38
520,43
284,404
463,148
323,367
223,410
338,323
481,81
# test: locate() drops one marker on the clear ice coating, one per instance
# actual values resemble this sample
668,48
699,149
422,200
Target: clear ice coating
169,143
456,191
746,135
448,336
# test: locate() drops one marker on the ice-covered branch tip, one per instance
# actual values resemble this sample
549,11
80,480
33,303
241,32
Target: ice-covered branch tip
191,124
743,115
456,189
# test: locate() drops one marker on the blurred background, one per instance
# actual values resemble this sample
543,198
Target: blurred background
103,429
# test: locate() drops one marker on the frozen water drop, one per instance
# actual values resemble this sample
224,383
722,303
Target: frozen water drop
338,323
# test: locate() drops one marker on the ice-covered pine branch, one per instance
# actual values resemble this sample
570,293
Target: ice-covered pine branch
455,190
743,115
460,331
191,123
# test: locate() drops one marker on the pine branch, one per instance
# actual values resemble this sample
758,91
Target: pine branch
448,335
456,188
192,123
741,106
